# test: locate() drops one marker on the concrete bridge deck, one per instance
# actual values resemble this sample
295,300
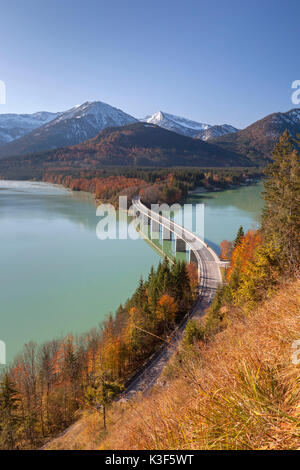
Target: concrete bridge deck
206,259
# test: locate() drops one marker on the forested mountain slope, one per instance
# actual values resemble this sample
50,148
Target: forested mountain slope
257,141
136,144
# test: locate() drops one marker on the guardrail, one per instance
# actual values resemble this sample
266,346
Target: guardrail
213,253
167,224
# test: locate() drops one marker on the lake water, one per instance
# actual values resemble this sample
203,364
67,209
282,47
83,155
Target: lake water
57,277
226,211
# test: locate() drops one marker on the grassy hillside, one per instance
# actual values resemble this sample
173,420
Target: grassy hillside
239,391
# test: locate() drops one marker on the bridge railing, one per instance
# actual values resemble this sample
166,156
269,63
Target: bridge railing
183,229
162,221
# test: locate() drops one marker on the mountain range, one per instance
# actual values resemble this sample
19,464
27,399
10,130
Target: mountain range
42,132
46,131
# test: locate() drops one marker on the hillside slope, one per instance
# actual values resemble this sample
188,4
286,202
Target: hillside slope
257,141
137,144
241,391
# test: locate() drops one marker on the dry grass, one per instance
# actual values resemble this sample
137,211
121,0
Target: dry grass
241,391
86,433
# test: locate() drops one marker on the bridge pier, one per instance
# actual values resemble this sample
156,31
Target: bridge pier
180,245
146,220
172,225
207,263
193,258
166,234
145,224
155,230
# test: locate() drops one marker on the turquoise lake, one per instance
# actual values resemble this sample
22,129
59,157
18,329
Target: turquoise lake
57,277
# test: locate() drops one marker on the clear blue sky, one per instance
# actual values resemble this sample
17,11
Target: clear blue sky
214,61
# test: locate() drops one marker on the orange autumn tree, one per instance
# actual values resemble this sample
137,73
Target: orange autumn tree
259,276
254,269
226,248
193,276
242,254
166,310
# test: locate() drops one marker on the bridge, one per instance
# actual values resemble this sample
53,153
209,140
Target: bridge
207,261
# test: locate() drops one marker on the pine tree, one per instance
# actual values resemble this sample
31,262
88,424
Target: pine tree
163,276
139,296
281,216
239,236
101,393
181,288
8,416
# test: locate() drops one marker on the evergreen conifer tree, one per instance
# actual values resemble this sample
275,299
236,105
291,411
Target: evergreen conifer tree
281,215
238,237
8,407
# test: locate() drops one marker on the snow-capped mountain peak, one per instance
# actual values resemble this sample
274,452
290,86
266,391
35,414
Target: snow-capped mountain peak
216,131
13,126
177,124
99,114
290,117
184,126
69,128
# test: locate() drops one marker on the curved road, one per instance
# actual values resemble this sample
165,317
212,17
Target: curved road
209,279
